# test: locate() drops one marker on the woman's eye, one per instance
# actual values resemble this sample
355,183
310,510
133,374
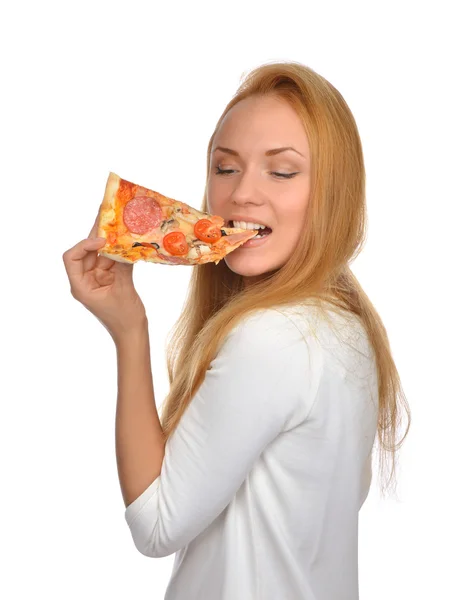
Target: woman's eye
220,171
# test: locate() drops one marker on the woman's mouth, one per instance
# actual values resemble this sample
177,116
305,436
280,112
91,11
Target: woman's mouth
258,240
262,232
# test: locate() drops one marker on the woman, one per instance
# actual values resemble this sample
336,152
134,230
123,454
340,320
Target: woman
280,368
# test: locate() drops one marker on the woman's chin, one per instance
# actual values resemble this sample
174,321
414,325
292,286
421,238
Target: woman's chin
244,268
240,268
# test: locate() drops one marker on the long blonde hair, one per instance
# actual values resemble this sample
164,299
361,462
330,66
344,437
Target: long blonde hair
318,271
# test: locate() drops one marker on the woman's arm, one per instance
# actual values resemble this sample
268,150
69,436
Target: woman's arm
232,419
139,436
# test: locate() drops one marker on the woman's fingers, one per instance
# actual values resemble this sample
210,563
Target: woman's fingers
104,263
100,262
90,260
83,257
74,259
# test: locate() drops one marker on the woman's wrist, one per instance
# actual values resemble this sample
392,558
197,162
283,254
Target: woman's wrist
133,335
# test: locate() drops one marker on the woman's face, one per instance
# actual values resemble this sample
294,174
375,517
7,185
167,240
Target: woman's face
252,191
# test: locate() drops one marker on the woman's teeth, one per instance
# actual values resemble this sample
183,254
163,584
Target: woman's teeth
245,225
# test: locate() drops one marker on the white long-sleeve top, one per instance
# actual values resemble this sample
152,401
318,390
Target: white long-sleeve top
263,479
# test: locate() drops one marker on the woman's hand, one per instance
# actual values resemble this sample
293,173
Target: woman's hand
104,286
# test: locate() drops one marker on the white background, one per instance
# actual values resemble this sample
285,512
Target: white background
136,88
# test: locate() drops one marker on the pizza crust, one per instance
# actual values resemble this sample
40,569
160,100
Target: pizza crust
107,211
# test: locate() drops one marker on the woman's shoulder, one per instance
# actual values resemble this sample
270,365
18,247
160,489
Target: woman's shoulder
340,333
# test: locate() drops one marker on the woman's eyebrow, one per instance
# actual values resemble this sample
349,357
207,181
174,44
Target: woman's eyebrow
267,153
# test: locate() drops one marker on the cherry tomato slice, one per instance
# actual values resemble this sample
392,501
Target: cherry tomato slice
175,243
206,231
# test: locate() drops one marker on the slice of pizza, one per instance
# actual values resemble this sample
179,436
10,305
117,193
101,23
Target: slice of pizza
140,224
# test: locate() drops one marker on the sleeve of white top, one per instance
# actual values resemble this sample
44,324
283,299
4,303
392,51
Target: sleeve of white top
261,377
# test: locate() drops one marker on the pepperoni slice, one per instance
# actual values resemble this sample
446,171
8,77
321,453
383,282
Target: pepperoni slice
142,214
